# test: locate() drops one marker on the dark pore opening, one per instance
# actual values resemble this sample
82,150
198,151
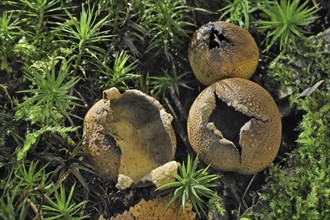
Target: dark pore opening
229,121
217,37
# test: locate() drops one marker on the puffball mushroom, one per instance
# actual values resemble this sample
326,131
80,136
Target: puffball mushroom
235,125
221,50
128,135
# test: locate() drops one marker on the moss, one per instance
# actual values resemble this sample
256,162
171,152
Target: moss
300,189
301,68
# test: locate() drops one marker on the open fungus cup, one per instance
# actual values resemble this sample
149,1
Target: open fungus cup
234,125
221,50
128,135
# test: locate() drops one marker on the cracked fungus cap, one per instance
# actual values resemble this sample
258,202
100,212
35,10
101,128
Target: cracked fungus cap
235,125
128,134
220,50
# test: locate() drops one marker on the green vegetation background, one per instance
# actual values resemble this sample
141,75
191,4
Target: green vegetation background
56,57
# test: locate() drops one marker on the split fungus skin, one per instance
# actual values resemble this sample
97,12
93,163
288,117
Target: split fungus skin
129,134
259,132
220,50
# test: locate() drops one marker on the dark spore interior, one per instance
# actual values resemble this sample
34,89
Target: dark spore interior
228,121
217,38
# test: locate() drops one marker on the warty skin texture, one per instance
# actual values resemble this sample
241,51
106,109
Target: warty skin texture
259,138
220,50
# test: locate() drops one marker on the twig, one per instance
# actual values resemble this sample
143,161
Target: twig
81,97
178,103
37,211
4,88
244,194
315,3
63,177
180,129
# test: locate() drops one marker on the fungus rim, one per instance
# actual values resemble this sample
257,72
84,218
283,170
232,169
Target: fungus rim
100,114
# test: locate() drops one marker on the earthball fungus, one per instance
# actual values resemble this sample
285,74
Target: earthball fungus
235,125
221,50
128,135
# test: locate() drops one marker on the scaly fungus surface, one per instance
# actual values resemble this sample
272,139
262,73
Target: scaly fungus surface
221,50
234,125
